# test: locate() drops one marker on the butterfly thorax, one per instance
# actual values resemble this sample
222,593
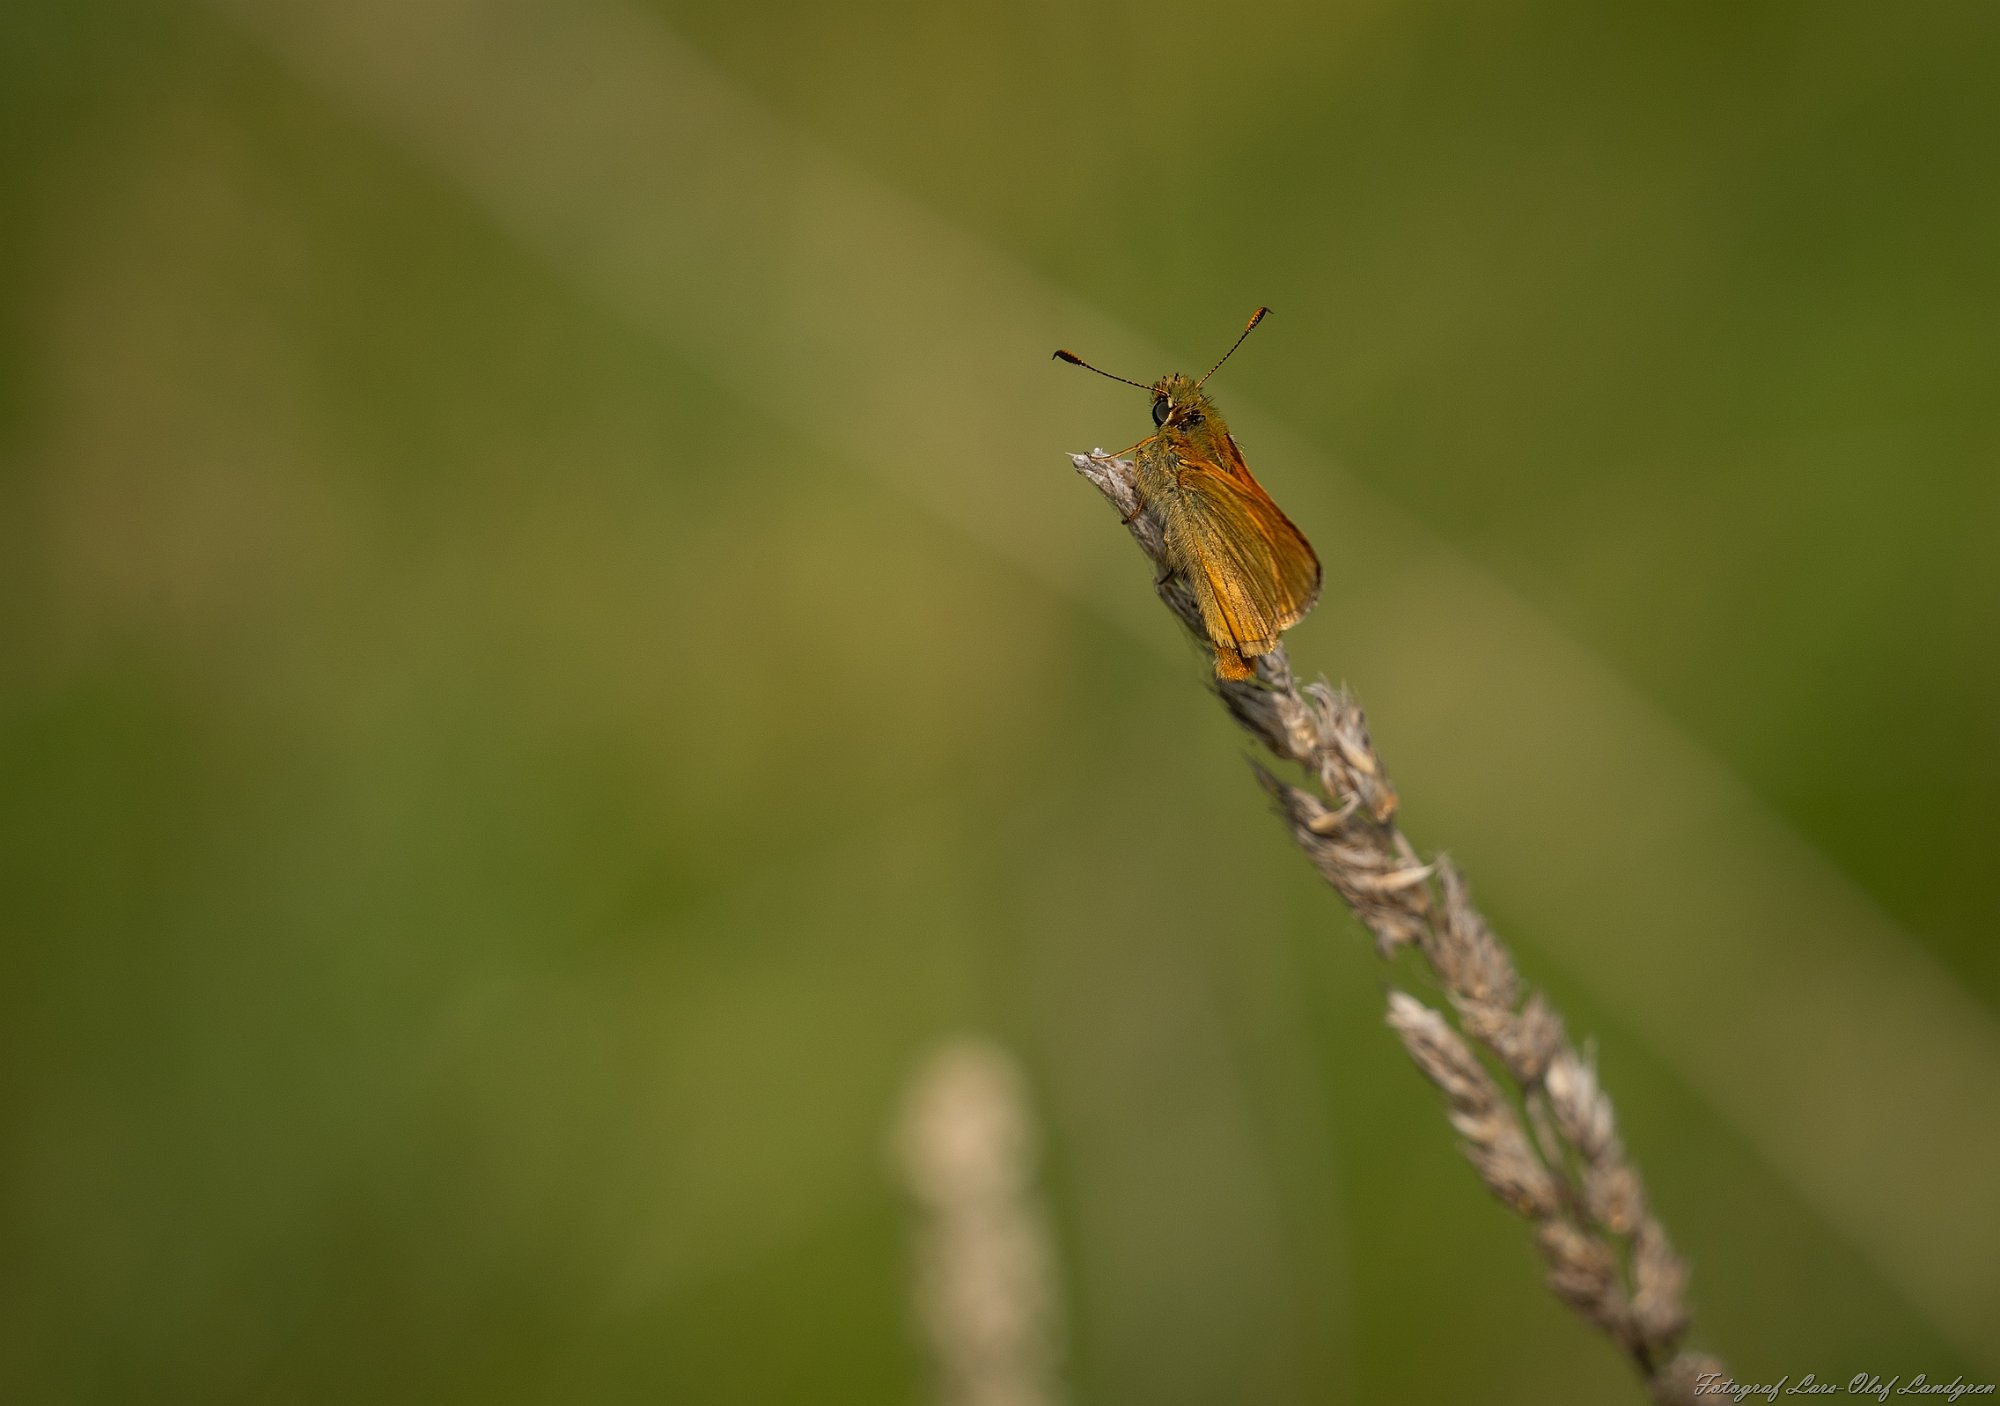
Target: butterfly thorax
1190,429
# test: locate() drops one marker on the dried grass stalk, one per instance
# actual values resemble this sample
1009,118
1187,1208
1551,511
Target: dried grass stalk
1544,1139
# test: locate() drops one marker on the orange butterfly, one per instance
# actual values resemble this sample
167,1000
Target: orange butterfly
1252,572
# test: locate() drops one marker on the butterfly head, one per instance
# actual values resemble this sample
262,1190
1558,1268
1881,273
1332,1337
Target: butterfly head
1180,406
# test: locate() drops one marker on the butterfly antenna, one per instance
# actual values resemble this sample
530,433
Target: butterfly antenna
1074,360
1255,318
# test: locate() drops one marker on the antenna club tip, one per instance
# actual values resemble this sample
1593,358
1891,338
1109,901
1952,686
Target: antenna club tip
1071,357
1259,315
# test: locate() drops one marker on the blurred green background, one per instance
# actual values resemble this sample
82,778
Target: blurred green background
549,651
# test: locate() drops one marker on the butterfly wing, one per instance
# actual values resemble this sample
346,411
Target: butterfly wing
1252,572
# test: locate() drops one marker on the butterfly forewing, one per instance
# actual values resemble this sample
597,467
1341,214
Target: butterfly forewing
1252,572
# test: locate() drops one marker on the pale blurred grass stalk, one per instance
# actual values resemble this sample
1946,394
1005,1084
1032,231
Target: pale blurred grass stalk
1546,1144
985,1285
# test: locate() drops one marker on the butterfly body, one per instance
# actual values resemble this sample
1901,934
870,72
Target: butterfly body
1250,569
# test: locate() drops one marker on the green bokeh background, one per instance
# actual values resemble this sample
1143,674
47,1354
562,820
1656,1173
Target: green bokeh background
549,651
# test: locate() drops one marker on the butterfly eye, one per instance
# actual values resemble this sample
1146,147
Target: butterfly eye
1160,409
